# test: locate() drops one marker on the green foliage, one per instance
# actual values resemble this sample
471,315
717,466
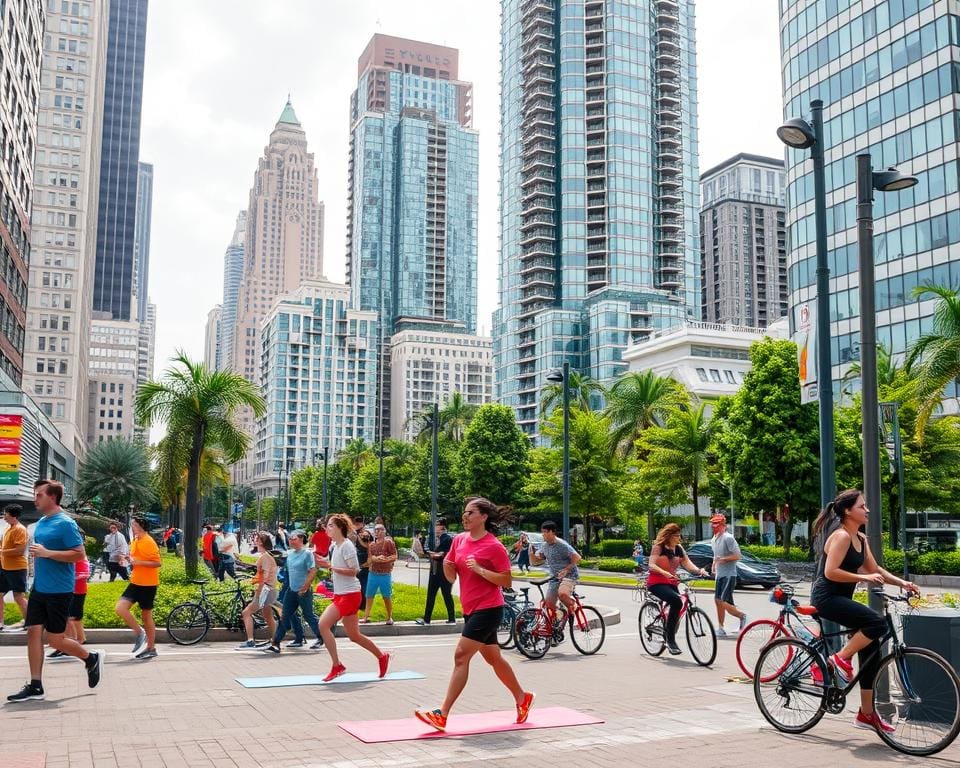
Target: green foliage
401,503
612,564
582,387
795,555
493,457
449,499
617,548
306,493
340,476
118,472
637,401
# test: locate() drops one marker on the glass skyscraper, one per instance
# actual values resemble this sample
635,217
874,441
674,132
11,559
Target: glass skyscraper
599,186
888,72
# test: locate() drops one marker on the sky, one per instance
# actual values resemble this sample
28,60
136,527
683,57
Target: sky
217,77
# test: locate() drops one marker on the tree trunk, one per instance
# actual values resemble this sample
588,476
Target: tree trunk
191,523
698,524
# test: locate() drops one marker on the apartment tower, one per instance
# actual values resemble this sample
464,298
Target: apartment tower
232,274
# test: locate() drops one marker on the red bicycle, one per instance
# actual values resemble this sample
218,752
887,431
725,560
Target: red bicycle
758,634
538,629
701,639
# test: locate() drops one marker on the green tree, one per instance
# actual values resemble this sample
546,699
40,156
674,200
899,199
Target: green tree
401,504
934,360
493,456
449,500
455,416
306,494
199,408
638,401
356,453
340,476
118,471
581,389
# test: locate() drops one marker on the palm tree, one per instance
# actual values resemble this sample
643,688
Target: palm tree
454,418
118,471
199,407
683,448
355,453
168,475
581,387
935,357
637,401
890,374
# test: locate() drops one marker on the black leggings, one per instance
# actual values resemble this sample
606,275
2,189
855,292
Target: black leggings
853,615
670,594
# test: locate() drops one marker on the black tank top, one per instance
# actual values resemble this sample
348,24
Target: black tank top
851,563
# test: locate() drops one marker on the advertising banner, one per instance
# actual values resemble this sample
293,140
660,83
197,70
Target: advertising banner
805,337
11,431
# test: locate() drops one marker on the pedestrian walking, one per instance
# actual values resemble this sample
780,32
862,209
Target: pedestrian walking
301,568
320,541
381,555
115,549
264,593
726,552
75,616
208,545
145,560
482,564
13,561
523,553
638,554
57,546
362,538
437,581
227,548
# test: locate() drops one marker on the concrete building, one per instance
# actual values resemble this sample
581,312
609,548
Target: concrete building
65,212
113,285
318,376
21,38
146,345
887,74
232,274
211,339
743,241
113,377
602,96
428,365
141,239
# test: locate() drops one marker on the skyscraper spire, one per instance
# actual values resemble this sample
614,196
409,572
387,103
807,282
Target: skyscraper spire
288,115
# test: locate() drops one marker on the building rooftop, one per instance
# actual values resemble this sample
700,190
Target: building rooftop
288,116
743,157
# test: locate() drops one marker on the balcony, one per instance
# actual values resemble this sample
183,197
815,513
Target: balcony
538,189
540,263
540,159
540,249
668,97
541,174
540,204
529,222
540,279
541,234
541,17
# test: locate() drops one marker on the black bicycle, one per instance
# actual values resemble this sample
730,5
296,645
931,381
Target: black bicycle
188,623
916,690
513,606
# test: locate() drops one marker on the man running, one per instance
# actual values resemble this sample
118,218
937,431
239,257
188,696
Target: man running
561,560
57,546
144,580
13,560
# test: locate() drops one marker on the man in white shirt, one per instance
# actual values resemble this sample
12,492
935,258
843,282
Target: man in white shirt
228,547
115,549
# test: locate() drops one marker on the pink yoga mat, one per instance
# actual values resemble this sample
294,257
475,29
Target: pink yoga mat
375,731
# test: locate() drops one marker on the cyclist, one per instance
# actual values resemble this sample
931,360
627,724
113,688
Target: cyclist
561,560
666,555
845,559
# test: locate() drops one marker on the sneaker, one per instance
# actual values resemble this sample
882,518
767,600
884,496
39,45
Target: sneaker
246,645
139,644
451,621
673,648
842,668
149,653
94,664
316,645
271,648
56,655
816,675
523,708
873,721
744,620
296,644
434,718
721,632
422,622
384,661
335,672
29,692
264,643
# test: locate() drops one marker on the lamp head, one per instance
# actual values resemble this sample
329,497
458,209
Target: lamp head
797,134
555,376
891,180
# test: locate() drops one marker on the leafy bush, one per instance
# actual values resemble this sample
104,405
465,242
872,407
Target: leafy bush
615,548
612,564
403,542
797,554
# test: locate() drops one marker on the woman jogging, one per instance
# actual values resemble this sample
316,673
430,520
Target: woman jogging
347,596
482,564
666,555
265,591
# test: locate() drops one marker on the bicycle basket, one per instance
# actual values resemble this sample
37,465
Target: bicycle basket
781,594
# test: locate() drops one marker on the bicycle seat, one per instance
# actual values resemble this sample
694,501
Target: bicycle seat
541,582
199,581
525,591
806,610
578,596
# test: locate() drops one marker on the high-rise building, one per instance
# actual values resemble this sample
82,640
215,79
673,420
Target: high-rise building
232,274
113,377
887,73
146,343
21,38
211,339
412,204
65,212
113,285
743,242
599,242
141,239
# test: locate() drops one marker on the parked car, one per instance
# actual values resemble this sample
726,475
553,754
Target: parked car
751,570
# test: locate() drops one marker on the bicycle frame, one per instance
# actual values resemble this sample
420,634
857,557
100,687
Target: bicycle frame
687,601
552,613
236,604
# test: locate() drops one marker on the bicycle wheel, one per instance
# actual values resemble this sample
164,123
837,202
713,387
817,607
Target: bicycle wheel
532,636
652,630
701,637
587,630
754,638
788,685
188,623
505,637
918,693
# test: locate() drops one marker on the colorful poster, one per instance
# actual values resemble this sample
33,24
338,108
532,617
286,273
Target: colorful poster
805,338
11,431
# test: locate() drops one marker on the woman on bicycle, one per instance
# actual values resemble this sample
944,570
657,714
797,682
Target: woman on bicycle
845,559
666,555
264,593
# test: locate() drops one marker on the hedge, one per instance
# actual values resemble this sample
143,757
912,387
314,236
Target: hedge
616,548
611,564
797,554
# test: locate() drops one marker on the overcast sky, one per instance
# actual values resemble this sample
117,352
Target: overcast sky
217,76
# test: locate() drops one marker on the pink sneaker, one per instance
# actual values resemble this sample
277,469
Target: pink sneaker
873,721
843,668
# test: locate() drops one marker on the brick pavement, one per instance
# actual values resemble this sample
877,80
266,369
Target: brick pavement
185,709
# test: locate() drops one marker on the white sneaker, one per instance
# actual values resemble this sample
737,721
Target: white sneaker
744,620
721,632
140,644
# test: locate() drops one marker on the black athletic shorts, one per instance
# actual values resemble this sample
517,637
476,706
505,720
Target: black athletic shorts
142,596
13,581
482,625
50,610
76,607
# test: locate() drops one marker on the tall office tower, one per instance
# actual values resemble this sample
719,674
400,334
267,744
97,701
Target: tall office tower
21,37
743,242
64,236
146,343
887,75
599,241
113,285
412,204
211,339
113,377
232,274
141,239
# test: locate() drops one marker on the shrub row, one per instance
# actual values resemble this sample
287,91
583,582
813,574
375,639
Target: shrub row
797,554
612,564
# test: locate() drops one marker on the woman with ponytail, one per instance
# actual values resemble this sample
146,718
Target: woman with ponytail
844,560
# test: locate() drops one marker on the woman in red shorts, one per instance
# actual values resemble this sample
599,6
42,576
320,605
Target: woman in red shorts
343,565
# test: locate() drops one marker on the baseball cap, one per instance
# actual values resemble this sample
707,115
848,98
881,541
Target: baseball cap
718,519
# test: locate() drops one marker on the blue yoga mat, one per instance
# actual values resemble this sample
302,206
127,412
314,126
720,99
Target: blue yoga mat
349,677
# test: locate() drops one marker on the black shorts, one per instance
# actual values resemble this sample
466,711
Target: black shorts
142,596
13,581
76,607
723,589
482,625
50,610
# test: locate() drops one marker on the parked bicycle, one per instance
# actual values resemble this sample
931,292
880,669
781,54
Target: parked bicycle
188,623
758,634
639,592
538,628
916,690
513,606
701,638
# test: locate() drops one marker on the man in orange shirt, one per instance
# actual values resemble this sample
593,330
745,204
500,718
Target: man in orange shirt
145,565
208,536
13,560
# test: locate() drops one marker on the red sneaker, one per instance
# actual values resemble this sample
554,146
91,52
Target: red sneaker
523,708
432,717
384,660
843,669
335,672
873,721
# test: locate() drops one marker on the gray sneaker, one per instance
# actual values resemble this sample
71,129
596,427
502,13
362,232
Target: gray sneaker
316,645
149,653
246,645
140,643
721,632
744,620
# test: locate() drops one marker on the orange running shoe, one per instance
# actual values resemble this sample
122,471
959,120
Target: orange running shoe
433,717
523,708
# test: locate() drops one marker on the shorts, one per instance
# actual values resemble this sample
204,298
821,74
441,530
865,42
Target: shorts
348,604
553,588
723,589
76,607
481,626
141,595
13,581
379,582
50,610
267,597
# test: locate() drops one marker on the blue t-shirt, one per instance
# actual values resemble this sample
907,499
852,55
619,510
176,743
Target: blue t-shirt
298,565
57,532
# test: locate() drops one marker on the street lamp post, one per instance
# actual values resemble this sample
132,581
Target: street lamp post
287,509
325,453
869,180
434,473
563,376
799,134
279,467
